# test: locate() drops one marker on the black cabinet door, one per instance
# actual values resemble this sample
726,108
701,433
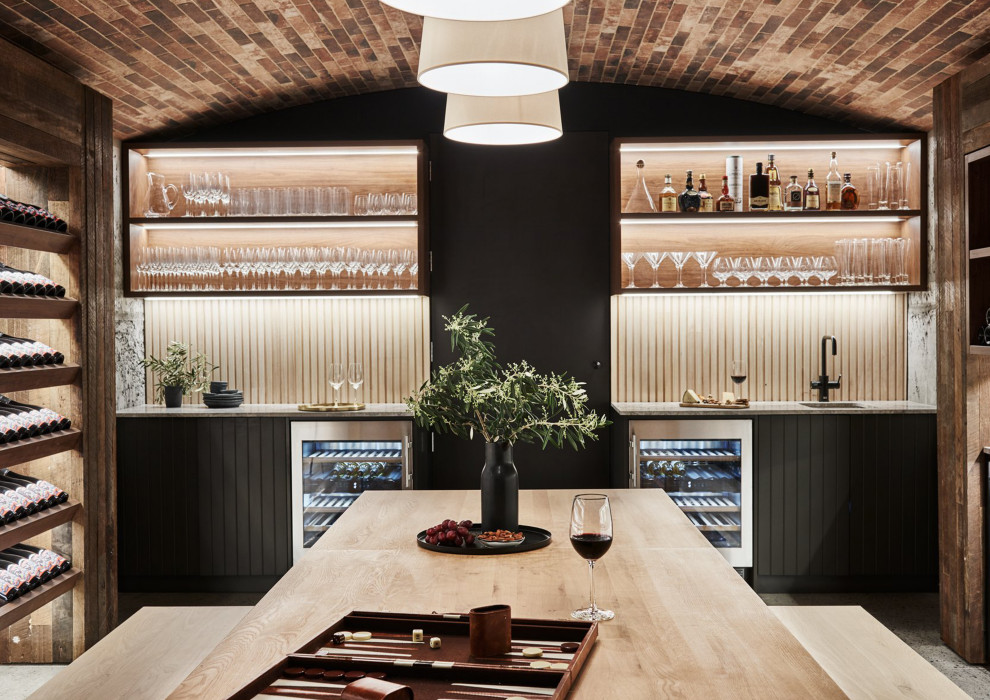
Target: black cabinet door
522,234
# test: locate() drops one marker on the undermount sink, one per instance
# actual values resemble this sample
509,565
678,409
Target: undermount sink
831,404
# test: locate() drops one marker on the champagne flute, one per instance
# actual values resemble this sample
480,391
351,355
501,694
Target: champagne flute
591,537
336,376
355,377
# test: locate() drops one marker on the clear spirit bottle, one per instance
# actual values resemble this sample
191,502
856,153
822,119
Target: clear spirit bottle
640,200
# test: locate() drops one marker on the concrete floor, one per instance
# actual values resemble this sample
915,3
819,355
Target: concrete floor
911,616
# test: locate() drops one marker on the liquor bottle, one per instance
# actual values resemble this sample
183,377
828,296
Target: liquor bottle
833,185
707,201
775,203
640,200
759,190
689,200
794,196
734,171
60,495
726,201
812,200
668,195
849,195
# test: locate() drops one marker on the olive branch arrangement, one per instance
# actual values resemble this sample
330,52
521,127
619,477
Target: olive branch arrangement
514,403
179,369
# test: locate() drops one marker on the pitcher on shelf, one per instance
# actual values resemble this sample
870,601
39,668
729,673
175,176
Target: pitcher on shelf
159,203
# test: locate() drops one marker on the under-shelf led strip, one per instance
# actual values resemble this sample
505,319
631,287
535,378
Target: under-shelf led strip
773,146
178,224
282,151
716,219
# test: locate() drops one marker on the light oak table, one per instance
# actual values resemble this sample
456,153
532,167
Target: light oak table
686,625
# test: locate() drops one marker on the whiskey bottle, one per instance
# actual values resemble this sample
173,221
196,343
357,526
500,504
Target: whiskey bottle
707,201
734,171
640,200
833,185
726,202
759,190
689,200
794,196
812,199
668,195
775,203
849,195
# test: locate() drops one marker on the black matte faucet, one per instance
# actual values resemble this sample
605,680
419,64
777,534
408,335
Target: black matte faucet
823,384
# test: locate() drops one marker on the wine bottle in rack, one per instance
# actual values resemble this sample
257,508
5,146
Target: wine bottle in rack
27,571
60,495
40,497
30,215
14,281
18,352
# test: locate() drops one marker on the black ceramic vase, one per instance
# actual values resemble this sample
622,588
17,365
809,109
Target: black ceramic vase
173,396
499,489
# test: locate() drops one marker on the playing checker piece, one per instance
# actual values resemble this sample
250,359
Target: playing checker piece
394,656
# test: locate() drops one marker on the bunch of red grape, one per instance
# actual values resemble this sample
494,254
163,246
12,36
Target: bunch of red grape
450,533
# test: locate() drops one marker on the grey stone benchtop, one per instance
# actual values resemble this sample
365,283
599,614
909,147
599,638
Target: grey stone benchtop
271,410
768,408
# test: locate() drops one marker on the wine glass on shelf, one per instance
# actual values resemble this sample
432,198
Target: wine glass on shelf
630,259
722,270
336,377
679,258
654,259
738,372
189,188
704,259
355,377
591,537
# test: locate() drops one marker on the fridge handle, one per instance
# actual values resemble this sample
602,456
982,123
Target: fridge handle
633,461
407,473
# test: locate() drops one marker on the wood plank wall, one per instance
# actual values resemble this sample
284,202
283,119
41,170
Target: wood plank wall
961,110
664,344
275,353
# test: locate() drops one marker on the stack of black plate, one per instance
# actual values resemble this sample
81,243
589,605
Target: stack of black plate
230,398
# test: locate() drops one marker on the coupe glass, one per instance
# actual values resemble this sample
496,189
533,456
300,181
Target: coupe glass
704,259
335,373
355,377
591,537
630,259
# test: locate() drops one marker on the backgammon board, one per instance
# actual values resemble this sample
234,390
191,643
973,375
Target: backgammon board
536,668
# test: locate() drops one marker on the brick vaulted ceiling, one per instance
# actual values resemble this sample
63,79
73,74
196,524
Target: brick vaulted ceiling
171,65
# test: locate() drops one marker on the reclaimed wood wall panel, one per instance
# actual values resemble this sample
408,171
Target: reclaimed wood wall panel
277,350
172,65
664,344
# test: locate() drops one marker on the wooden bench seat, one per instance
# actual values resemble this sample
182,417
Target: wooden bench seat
146,657
863,657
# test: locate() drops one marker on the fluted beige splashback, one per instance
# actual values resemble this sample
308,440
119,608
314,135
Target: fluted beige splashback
277,350
664,344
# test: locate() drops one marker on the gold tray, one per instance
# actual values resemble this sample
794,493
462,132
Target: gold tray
331,407
730,406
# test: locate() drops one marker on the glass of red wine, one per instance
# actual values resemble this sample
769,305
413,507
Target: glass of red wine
591,536
738,374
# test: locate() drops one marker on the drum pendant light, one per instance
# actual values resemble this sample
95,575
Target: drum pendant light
503,121
477,10
494,59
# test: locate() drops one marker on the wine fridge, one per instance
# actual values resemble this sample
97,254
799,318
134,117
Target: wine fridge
334,461
706,467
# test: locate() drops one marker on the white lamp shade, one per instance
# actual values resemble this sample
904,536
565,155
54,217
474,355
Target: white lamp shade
477,10
494,59
503,121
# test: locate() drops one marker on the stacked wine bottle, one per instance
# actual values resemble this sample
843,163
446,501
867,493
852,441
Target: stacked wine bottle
21,495
23,568
30,215
20,420
14,281
24,352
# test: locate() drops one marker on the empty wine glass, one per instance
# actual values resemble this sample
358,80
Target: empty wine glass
335,373
189,188
761,270
704,259
630,259
777,270
355,377
679,258
654,259
591,537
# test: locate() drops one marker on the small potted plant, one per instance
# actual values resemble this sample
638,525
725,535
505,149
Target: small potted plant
475,395
178,373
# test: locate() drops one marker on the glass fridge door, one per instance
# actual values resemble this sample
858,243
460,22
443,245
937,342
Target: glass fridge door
333,464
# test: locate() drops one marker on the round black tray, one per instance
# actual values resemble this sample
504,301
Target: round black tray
536,538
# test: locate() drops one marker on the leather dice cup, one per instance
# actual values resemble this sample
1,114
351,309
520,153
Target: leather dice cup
491,630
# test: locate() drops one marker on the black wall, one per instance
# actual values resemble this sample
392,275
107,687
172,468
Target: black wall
522,233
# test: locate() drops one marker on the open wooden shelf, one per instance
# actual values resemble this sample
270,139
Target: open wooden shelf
21,236
979,349
42,595
274,221
23,306
36,523
765,216
37,447
24,378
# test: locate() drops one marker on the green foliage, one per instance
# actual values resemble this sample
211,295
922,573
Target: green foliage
178,369
476,394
